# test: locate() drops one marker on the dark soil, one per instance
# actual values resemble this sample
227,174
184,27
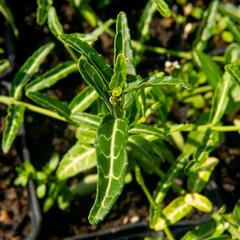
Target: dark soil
14,203
130,208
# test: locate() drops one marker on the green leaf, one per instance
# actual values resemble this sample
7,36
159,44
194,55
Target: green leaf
94,79
201,232
42,10
172,213
163,8
234,70
199,202
145,19
41,190
51,164
83,100
236,212
50,103
51,196
234,29
119,77
122,44
142,151
87,119
54,25
94,35
6,12
85,134
155,81
78,159
28,69
232,53
51,77
14,120
210,68
220,98
94,58
208,25
231,10
200,174
86,11
4,64
112,165
148,130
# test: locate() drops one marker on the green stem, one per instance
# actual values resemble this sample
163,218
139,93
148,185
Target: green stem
199,90
139,46
141,182
46,112
159,50
71,53
168,233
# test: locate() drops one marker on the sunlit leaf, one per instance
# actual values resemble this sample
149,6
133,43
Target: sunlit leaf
111,164
14,120
78,159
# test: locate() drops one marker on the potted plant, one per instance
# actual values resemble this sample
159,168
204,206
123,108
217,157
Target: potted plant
123,125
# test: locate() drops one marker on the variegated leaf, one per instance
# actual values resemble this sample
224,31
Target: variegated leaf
52,76
83,100
28,69
14,120
111,164
78,159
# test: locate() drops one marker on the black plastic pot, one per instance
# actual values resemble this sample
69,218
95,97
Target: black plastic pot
34,209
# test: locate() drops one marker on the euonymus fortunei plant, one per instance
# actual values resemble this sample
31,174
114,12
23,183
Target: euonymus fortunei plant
111,115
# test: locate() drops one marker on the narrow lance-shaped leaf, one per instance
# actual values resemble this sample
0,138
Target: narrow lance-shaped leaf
96,33
206,30
145,19
94,79
50,103
220,99
54,25
78,159
148,130
4,64
28,69
42,10
6,12
52,76
111,164
210,68
122,44
163,8
83,100
14,120
156,81
172,213
119,77
94,58
90,120
86,11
